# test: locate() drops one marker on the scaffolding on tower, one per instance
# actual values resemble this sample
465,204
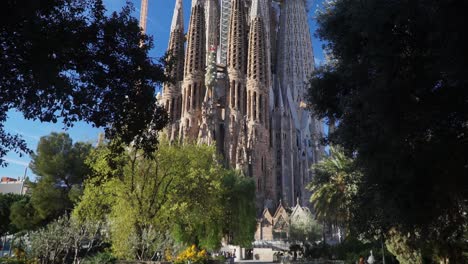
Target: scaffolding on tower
224,28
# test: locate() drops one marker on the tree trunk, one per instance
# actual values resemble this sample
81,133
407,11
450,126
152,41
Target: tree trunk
75,257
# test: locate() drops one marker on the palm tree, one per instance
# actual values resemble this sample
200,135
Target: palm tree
334,184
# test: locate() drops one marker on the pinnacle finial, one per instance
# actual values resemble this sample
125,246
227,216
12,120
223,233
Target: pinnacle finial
256,10
197,2
178,17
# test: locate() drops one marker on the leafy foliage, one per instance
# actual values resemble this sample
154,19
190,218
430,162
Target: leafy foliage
23,216
181,188
192,255
397,244
306,230
351,249
61,161
239,209
60,169
100,258
6,201
396,85
68,61
334,187
66,241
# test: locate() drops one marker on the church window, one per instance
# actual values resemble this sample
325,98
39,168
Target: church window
189,92
244,102
195,90
260,116
263,164
173,108
254,106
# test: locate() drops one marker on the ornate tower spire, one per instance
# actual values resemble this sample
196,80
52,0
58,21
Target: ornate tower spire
236,92
178,17
295,53
172,98
258,110
212,24
193,89
295,62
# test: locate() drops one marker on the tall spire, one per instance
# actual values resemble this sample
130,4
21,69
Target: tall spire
178,17
236,92
255,9
212,24
295,54
237,40
197,2
295,63
176,42
193,88
258,106
172,98
257,68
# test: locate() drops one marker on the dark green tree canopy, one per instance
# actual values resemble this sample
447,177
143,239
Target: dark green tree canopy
69,61
6,201
61,161
61,170
396,83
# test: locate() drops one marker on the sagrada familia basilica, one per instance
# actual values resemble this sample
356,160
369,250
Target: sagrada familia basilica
239,83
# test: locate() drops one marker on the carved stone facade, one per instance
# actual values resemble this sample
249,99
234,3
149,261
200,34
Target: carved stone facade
172,96
253,109
276,227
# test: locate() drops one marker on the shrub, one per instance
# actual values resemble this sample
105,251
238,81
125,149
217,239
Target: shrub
100,258
193,255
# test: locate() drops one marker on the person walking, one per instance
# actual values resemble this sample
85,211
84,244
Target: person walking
361,260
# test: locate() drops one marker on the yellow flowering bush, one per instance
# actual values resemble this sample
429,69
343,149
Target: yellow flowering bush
193,255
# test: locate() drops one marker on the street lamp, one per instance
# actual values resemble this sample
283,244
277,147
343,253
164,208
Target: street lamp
383,251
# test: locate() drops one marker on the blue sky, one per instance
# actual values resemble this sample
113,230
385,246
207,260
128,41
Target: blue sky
159,20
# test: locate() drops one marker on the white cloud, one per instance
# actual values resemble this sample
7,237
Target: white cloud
26,135
16,162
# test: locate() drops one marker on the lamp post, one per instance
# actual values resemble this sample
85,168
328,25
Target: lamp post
383,251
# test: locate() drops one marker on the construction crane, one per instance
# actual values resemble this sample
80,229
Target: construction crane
143,15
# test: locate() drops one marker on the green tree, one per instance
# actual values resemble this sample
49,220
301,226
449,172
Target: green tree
398,245
178,189
61,161
66,240
239,209
6,202
61,170
71,61
305,230
334,186
396,85
23,216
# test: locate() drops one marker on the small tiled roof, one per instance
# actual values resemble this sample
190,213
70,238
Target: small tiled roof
15,188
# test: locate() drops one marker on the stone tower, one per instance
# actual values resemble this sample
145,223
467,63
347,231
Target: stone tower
212,14
243,86
258,110
193,88
236,94
299,131
172,96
